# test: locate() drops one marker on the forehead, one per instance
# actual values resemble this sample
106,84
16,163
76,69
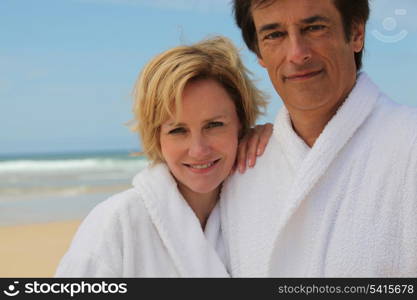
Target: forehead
203,99
292,11
207,92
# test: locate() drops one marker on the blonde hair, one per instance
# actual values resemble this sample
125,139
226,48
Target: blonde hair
159,88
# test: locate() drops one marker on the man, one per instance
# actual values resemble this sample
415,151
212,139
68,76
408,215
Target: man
335,194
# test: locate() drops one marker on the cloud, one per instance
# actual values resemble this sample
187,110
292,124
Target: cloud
205,6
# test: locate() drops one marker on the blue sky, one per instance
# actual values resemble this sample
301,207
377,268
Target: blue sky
67,67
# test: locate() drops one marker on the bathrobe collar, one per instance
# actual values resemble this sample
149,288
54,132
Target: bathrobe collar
313,163
194,255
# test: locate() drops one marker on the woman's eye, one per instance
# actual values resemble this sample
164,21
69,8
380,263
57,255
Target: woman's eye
178,130
214,124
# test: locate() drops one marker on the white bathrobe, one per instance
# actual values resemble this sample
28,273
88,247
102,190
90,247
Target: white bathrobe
347,207
147,231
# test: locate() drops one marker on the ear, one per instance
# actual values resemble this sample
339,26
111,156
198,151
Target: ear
261,62
358,37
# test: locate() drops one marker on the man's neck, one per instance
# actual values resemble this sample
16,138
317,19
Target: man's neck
310,124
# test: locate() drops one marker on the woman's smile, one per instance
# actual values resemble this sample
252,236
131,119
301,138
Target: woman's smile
202,168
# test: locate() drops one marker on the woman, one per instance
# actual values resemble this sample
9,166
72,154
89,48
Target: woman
192,104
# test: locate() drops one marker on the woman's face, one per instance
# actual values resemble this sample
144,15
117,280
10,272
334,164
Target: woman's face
200,149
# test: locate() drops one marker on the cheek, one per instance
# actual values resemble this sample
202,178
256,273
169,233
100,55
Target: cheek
169,150
339,55
272,60
229,145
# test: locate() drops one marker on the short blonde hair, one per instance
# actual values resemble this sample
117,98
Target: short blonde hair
159,88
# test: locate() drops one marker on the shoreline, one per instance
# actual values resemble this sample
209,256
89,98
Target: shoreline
34,250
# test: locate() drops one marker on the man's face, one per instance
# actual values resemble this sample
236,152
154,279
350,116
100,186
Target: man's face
303,46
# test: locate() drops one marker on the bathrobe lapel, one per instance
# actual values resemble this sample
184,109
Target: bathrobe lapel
336,134
351,115
178,226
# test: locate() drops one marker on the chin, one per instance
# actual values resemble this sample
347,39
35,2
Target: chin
203,189
314,101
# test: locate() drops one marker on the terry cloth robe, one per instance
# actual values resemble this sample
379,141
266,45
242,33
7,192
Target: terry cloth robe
146,231
347,207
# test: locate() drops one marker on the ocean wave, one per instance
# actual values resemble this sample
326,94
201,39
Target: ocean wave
10,194
69,165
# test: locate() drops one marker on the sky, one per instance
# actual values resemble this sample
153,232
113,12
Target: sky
67,67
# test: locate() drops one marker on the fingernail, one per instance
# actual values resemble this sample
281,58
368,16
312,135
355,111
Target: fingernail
250,162
258,152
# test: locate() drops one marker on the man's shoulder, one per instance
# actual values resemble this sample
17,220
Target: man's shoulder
394,117
391,128
266,169
390,109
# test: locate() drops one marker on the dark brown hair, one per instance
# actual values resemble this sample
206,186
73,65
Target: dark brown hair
352,12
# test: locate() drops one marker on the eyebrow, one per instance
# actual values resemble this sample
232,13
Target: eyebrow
316,18
309,20
268,27
173,124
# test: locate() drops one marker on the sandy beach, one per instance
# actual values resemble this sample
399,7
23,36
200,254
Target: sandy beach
34,250
43,197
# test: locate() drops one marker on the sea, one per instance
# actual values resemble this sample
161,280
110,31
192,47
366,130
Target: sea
41,188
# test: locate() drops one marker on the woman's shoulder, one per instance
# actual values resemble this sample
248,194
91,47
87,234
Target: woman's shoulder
113,225
99,240
120,202
130,202
112,213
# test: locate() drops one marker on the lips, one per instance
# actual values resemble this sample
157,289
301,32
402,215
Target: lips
201,167
303,75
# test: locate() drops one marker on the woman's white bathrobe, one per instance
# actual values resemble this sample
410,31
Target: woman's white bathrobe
147,231
345,207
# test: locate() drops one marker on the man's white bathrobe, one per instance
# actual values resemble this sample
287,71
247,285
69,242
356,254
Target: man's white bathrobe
345,207
147,231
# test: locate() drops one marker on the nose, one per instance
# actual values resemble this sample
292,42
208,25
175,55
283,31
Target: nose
199,147
299,51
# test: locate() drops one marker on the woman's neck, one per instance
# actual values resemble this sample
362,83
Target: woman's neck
201,204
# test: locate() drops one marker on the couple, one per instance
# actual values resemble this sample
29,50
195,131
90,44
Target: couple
333,195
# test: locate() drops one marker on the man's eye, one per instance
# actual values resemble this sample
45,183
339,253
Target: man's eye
274,35
178,130
214,124
315,28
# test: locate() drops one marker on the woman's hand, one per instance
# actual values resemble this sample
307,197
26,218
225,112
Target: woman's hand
253,144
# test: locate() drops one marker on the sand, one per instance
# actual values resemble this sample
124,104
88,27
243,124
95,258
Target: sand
34,250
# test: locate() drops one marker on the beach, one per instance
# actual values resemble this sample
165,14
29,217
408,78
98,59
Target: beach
34,250
43,200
